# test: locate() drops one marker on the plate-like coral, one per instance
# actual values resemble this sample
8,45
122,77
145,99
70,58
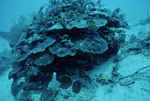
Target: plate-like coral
67,39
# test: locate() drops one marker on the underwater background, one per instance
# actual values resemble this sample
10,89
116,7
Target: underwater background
11,10
100,53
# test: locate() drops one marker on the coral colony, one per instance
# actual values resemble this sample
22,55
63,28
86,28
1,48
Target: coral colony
66,39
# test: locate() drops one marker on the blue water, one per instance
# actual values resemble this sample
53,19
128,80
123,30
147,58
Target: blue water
11,10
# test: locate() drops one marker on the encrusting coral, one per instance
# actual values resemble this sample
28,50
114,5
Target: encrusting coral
66,38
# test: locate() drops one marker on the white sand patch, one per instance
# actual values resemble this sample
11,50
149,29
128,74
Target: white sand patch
138,91
5,87
105,68
133,63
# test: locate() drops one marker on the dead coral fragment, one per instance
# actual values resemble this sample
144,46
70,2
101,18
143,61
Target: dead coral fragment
103,79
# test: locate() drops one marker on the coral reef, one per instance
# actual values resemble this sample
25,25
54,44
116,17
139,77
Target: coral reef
67,38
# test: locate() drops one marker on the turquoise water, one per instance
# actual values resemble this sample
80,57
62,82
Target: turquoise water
11,10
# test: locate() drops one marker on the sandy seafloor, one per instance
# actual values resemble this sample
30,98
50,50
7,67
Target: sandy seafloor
5,86
139,91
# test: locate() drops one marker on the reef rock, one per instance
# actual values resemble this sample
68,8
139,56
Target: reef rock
66,38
